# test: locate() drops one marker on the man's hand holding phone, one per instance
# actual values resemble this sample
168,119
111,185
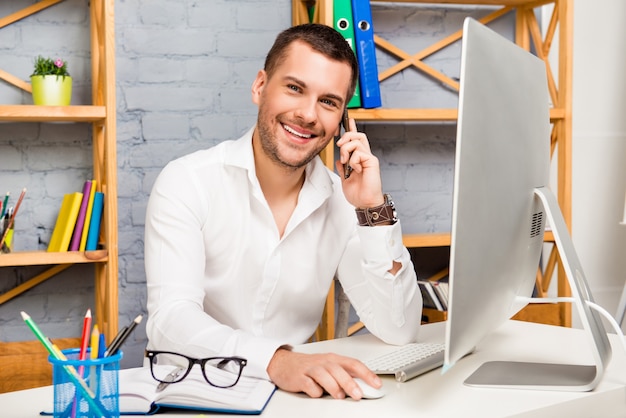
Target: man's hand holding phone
345,123
359,168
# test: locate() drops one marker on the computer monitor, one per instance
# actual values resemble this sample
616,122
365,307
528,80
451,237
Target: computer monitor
501,203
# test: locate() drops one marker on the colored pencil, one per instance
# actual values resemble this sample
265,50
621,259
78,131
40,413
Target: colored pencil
71,371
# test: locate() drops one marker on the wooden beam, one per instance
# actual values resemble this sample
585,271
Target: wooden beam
32,282
27,11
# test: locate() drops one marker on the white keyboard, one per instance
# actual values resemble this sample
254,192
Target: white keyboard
408,361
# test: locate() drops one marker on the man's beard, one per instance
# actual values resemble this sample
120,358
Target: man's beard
270,147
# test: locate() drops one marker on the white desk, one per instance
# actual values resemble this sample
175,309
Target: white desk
433,394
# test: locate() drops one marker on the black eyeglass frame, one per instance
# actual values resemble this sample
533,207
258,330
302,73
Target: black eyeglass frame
240,361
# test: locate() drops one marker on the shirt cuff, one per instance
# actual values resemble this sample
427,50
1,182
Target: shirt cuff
381,244
259,353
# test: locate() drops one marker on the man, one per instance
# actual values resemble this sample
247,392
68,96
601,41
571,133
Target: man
243,240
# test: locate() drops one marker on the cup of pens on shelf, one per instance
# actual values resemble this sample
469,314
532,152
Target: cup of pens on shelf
95,394
6,231
7,222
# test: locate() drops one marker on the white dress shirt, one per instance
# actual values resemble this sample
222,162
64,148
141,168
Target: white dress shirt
221,281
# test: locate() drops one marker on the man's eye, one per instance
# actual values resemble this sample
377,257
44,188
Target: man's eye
293,87
328,102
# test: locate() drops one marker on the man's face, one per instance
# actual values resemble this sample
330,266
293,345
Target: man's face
300,106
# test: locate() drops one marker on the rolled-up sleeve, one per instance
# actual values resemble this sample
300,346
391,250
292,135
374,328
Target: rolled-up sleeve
389,305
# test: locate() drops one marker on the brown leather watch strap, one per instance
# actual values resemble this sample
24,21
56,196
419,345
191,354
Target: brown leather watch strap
384,214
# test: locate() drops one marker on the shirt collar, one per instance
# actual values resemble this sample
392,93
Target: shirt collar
317,176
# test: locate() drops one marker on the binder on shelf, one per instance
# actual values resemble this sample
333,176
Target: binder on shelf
95,222
80,220
344,24
64,226
83,237
366,54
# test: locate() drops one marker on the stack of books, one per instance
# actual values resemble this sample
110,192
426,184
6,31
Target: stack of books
434,294
353,19
77,227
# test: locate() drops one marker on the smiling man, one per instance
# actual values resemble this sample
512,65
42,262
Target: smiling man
243,240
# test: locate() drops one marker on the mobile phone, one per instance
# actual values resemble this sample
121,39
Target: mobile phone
347,170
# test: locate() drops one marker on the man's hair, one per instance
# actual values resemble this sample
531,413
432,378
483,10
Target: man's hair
322,39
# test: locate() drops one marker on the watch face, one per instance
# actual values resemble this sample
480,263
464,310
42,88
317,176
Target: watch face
393,207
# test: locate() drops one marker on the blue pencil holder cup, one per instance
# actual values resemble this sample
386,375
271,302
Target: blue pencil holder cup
86,388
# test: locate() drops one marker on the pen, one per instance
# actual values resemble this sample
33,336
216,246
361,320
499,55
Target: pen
169,378
71,371
113,348
101,345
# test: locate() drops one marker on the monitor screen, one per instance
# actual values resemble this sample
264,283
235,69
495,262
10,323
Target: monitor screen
501,203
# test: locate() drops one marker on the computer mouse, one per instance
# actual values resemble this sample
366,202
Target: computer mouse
369,392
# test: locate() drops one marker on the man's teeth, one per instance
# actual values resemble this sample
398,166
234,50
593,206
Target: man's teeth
288,129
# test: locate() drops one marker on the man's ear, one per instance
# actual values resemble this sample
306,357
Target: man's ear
258,85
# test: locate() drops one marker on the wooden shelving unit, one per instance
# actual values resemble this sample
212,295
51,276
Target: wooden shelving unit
101,114
527,33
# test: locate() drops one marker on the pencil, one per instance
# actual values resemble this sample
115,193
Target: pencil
93,355
6,204
115,346
71,371
95,342
115,341
84,341
19,201
12,218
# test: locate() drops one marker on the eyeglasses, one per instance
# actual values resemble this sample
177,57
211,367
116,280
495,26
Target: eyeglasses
221,372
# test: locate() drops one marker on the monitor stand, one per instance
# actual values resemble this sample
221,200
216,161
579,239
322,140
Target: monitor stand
546,376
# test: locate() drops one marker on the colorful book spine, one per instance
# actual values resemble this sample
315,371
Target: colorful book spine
344,24
366,54
80,220
64,226
95,222
83,237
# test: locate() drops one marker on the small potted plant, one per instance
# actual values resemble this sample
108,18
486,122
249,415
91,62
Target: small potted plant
51,82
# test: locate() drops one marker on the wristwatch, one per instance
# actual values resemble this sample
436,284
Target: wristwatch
384,214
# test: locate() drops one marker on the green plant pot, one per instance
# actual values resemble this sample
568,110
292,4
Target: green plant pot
51,90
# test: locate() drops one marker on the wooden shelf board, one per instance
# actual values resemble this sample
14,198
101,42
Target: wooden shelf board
433,315
442,239
528,3
34,258
32,113
420,115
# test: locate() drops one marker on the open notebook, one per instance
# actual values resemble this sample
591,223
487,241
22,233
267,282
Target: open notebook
138,394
